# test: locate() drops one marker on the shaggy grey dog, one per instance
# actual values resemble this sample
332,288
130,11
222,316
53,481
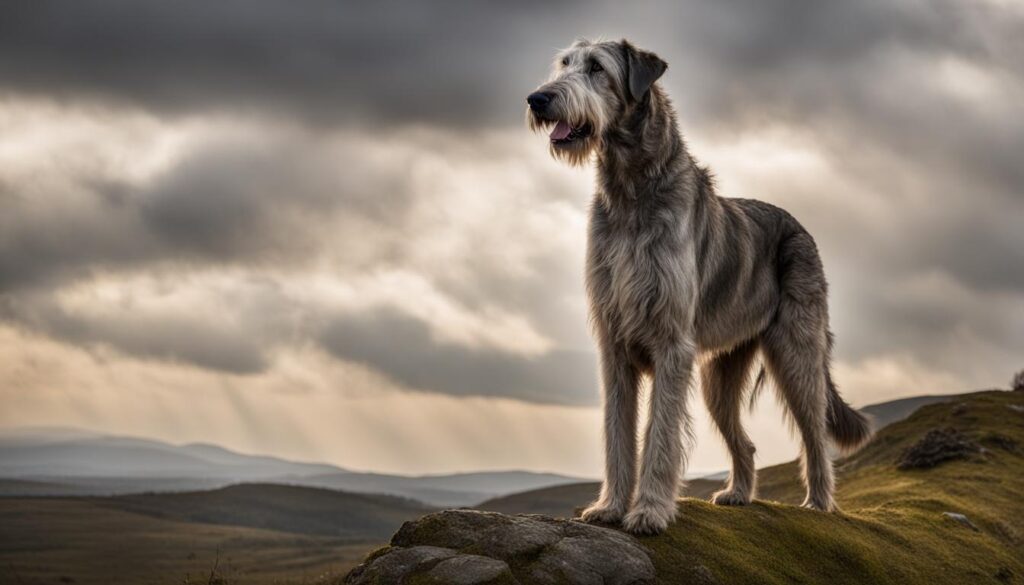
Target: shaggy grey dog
677,274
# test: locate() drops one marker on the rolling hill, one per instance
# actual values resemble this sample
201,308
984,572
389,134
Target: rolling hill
562,501
934,498
254,533
76,541
446,491
885,413
896,525
301,510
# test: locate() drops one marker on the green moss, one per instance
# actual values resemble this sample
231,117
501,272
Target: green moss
377,554
891,529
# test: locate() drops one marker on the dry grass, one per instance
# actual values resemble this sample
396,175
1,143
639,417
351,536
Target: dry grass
58,540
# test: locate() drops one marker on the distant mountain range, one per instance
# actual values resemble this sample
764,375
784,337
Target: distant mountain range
67,454
60,461
886,413
63,461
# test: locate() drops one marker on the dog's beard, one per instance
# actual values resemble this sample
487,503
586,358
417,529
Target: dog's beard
572,142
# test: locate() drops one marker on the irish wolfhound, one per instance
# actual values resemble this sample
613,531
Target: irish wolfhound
675,273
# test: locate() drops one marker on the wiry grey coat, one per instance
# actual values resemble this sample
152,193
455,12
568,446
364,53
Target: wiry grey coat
676,274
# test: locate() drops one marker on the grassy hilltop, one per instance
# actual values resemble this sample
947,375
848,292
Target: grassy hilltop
893,527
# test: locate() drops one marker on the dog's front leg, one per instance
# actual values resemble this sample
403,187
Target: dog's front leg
655,504
620,382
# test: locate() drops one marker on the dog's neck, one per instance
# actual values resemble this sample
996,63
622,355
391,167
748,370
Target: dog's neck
643,153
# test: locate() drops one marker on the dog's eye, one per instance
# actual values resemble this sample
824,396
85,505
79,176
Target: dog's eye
596,67
565,61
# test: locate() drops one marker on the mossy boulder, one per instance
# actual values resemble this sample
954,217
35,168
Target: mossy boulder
475,548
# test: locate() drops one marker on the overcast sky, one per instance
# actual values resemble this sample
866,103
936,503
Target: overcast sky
323,231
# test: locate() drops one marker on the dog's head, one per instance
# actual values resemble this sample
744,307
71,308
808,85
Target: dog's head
593,85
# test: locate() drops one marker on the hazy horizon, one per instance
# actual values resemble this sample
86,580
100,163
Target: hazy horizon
325,234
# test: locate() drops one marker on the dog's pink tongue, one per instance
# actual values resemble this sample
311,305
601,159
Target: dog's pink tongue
562,129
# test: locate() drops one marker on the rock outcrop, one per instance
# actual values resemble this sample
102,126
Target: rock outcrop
469,547
938,446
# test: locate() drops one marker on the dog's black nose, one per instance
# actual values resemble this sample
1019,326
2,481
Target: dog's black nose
538,100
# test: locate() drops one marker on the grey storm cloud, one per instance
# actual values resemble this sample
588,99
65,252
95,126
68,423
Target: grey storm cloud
402,347
195,341
233,203
188,218
223,203
862,77
379,62
452,62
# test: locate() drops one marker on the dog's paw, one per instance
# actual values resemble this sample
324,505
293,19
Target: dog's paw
648,519
603,513
822,504
730,498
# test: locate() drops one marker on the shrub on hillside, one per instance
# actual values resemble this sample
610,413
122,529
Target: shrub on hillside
1017,384
938,446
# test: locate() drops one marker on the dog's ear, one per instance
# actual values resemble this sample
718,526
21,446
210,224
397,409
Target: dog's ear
643,68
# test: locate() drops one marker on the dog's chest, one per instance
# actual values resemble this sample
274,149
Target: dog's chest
634,276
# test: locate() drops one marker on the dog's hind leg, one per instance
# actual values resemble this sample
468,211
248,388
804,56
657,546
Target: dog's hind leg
797,367
795,347
724,379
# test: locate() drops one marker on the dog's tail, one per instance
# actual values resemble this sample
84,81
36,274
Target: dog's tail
755,391
848,427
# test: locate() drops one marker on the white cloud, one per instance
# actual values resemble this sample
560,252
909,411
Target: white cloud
879,379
